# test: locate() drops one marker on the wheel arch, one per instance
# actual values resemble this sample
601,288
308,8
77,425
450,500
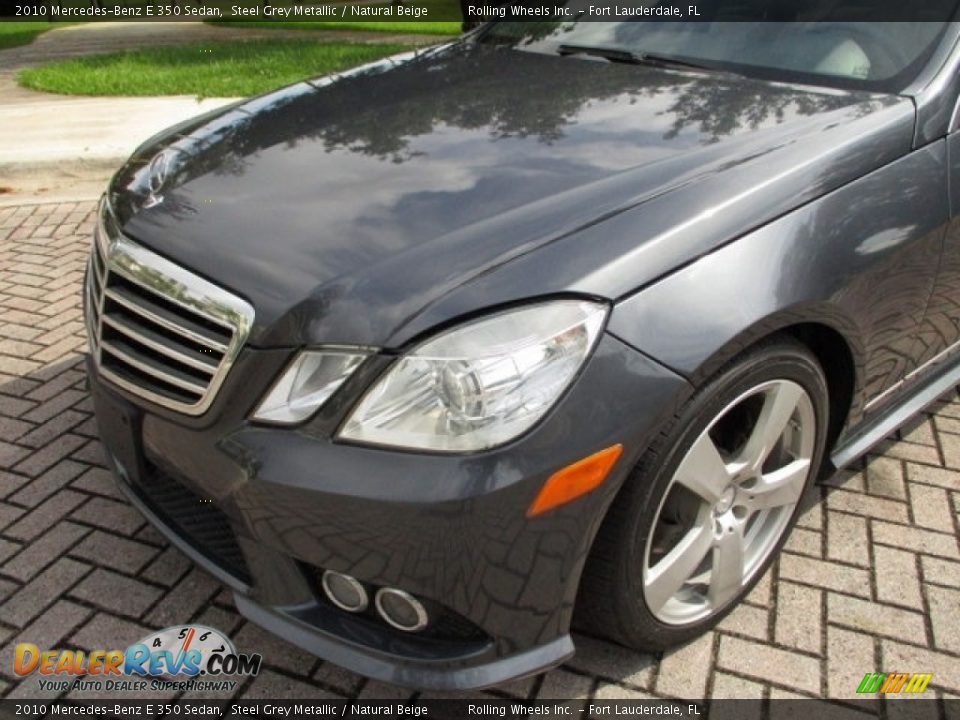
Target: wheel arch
821,327
836,359
833,343
826,344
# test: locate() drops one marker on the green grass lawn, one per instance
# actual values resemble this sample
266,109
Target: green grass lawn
14,33
412,26
449,10
207,70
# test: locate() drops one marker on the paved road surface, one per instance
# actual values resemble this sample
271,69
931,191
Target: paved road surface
869,581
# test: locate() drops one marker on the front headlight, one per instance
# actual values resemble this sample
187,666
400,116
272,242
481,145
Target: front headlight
480,384
306,385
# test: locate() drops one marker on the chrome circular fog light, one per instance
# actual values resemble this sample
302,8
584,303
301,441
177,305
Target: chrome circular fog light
401,610
344,591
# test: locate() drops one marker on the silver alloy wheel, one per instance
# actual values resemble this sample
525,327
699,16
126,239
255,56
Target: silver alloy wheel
729,502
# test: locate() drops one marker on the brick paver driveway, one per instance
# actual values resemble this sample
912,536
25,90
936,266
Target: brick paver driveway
869,581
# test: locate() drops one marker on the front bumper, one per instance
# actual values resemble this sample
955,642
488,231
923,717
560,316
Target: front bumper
267,509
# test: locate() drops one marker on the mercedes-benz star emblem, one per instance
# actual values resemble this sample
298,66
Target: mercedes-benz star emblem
158,172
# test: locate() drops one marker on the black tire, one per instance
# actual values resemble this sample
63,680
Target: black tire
611,600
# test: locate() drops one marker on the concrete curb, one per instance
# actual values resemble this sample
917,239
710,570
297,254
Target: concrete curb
54,181
19,200
80,166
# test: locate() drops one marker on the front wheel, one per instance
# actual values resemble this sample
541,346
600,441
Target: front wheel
710,503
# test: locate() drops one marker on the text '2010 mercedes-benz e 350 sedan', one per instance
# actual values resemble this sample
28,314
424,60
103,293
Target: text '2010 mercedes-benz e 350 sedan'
549,326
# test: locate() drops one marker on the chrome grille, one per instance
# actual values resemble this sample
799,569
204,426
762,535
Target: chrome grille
96,275
156,329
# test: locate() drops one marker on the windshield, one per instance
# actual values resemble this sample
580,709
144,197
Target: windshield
808,47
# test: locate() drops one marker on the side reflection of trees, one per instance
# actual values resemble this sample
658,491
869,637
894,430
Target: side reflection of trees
508,94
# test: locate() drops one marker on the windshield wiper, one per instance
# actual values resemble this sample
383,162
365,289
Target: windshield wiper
621,55
607,53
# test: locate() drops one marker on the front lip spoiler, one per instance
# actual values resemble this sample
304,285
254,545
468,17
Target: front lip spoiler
415,674
406,673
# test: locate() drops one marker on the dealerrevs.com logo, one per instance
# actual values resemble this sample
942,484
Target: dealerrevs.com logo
191,657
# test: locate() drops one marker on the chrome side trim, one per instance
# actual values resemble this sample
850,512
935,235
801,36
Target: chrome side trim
880,427
940,357
935,360
873,402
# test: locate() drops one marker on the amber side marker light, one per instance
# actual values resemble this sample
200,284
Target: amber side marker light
575,480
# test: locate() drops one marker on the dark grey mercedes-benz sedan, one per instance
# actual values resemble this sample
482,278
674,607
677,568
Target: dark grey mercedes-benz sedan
550,325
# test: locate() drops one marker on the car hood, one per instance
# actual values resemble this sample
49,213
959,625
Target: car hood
344,208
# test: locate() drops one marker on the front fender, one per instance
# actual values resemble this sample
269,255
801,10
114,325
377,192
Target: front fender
861,261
